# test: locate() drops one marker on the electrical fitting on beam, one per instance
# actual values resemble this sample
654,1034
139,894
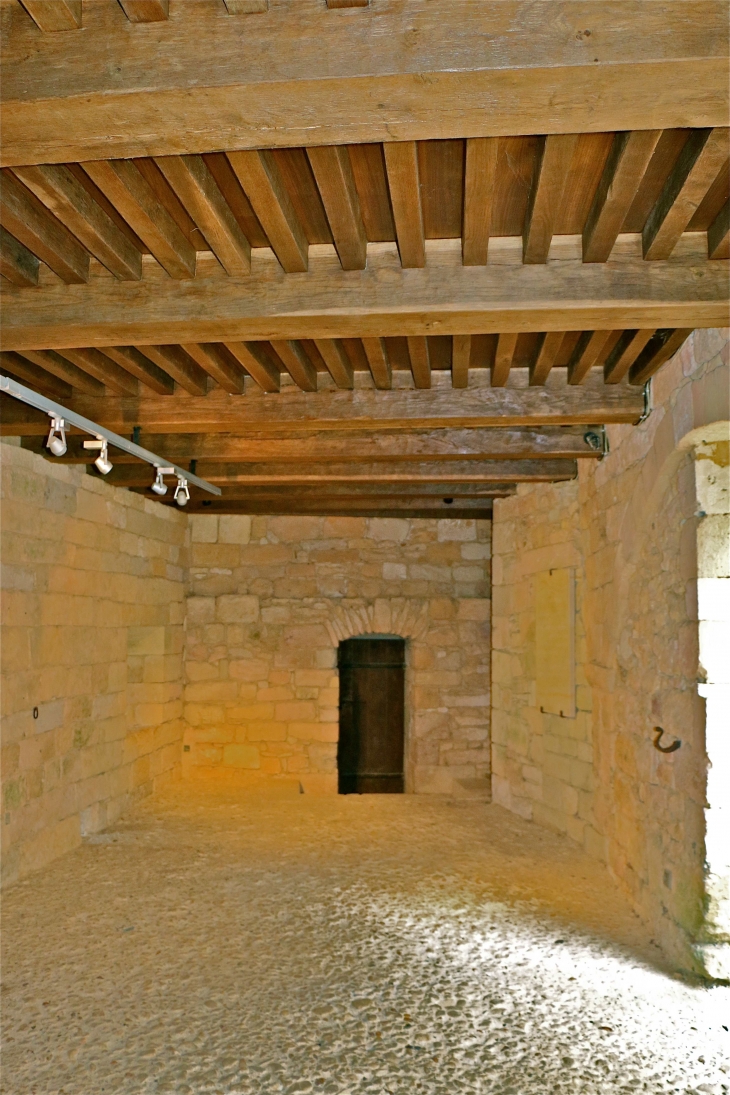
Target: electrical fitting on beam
102,462
57,437
62,418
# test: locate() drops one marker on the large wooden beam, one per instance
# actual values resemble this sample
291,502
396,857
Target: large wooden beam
298,75
443,298
556,404
393,449
465,509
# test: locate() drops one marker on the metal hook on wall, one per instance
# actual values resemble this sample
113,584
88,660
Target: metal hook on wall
658,732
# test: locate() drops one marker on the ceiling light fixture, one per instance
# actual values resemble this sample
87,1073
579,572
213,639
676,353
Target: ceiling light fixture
160,486
57,437
62,418
182,492
102,461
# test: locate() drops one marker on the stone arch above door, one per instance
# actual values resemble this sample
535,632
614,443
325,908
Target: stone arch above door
406,618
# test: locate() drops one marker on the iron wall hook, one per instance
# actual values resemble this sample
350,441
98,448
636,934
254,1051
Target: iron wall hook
658,732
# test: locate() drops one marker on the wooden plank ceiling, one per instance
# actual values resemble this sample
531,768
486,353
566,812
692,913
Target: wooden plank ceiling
408,326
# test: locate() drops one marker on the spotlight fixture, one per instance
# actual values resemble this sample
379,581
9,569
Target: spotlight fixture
160,486
182,492
102,461
57,437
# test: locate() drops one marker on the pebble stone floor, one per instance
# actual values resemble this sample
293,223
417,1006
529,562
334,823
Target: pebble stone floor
217,943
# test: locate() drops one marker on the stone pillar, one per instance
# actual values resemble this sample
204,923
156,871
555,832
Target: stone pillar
712,471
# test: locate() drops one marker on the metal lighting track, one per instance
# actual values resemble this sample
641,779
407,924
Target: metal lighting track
33,399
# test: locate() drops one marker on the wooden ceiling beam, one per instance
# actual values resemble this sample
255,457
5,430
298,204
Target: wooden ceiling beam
479,182
17,263
418,352
338,363
218,362
625,167
146,11
554,157
197,189
404,184
257,363
180,366
38,378
298,365
467,509
79,379
333,172
503,357
54,15
63,194
131,194
246,7
624,354
145,370
393,449
703,157
103,369
718,235
460,360
545,357
586,354
28,220
259,175
556,404
379,362
298,76
444,298
663,345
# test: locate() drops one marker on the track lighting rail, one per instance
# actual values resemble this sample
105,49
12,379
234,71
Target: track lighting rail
58,413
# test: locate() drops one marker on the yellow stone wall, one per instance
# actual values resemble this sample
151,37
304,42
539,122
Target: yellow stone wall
271,598
92,636
629,527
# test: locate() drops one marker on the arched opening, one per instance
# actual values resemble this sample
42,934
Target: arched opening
371,745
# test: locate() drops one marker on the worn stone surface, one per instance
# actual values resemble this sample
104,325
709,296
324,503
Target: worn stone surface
247,946
270,600
92,637
629,527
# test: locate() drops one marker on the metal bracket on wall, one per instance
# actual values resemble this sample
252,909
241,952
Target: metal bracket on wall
647,402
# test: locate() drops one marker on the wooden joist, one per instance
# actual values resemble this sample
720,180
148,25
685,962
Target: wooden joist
556,404
28,220
624,354
337,362
401,162
260,177
627,161
218,362
443,298
660,347
434,508
63,194
460,360
555,155
151,375
146,11
587,353
65,370
420,361
547,351
103,369
703,156
53,15
506,344
17,263
197,189
35,377
127,189
440,70
298,365
333,172
718,234
180,366
379,362
479,180
258,364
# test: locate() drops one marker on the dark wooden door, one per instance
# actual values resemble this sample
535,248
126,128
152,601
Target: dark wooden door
372,725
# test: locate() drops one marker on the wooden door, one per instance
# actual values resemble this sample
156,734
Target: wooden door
372,723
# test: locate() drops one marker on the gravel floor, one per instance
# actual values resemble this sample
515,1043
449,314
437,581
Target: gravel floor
214,943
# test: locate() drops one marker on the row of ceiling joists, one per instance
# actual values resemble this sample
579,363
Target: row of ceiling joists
105,215
56,15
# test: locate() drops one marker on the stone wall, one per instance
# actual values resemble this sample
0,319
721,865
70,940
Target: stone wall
629,527
271,598
92,639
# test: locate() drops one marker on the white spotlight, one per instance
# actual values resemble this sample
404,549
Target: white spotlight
57,437
182,493
159,486
102,461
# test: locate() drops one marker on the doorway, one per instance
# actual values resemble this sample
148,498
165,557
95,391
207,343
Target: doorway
372,716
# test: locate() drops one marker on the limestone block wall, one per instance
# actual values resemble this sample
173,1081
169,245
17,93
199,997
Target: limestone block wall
629,527
93,596
270,600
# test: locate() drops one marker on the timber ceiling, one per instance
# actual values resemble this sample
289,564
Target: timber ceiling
382,326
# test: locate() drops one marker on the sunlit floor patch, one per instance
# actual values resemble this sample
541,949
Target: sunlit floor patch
394,944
